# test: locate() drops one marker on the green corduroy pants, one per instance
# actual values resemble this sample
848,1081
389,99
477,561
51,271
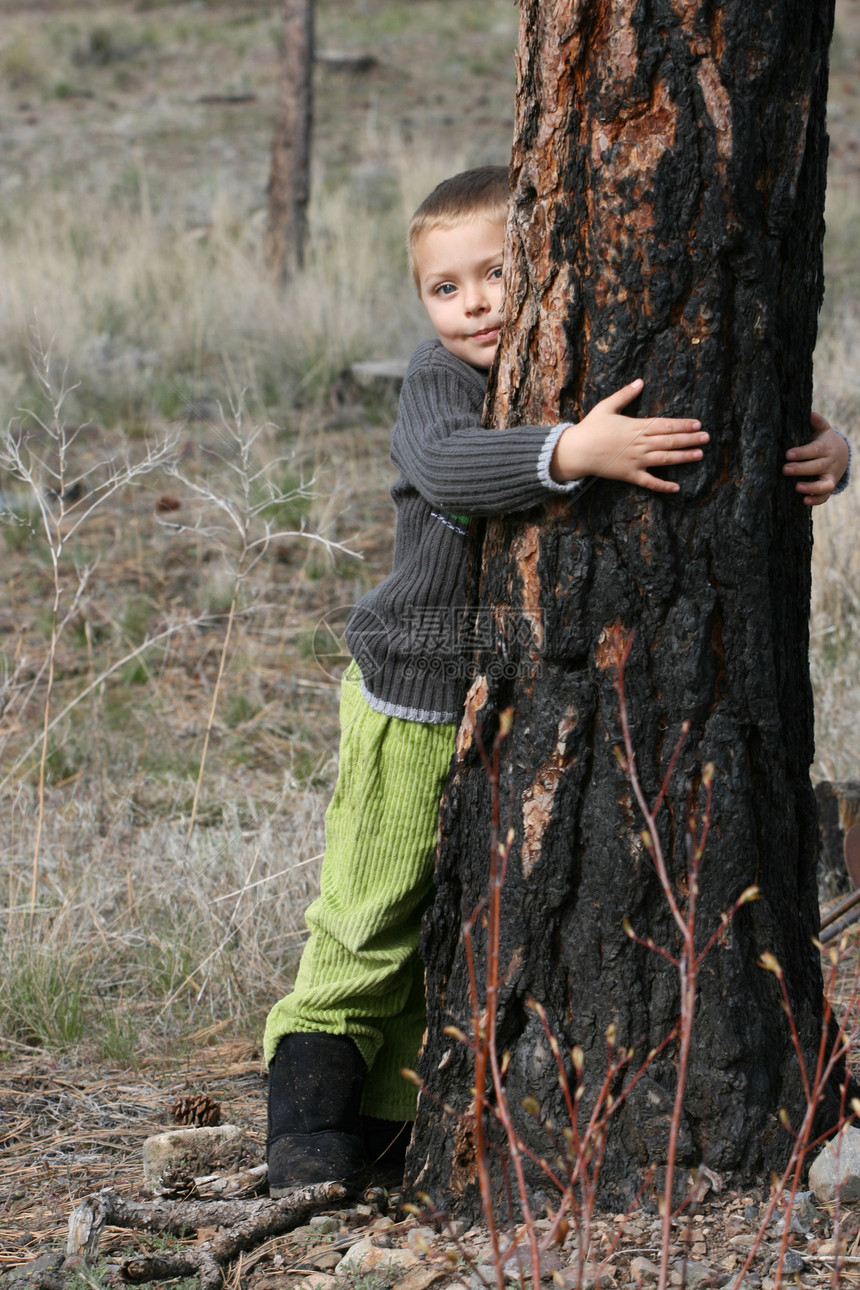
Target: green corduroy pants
360,974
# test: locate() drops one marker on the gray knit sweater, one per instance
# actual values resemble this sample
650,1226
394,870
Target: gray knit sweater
405,634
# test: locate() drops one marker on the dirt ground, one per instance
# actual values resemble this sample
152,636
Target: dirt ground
66,1131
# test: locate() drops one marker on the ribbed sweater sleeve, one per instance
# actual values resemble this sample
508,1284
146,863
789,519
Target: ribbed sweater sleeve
440,447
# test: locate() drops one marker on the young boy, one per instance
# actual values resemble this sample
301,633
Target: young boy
337,1044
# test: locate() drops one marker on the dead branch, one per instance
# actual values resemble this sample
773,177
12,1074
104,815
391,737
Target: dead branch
244,1223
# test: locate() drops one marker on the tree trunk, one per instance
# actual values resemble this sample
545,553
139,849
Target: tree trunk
289,180
668,177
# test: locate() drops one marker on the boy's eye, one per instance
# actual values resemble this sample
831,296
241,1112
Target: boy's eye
496,273
444,289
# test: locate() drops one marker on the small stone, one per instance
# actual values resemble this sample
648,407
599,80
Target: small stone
803,1213
319,1281
751,1213
420,1238
592,1276
172,1159
699,1249
676,1278
742,1242
793,1261
520,1263
483,1276
822,1175
321,1224
326,1261
365,1256
421,1277
454,1229
640,1266
699,1274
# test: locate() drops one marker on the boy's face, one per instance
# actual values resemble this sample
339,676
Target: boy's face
460,281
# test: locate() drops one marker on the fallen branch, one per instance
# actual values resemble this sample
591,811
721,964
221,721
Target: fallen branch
244,1223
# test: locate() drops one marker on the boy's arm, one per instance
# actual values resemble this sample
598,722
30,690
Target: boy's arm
459,466
612,446
442,450
827,456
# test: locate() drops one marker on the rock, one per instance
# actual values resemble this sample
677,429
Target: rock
323,1224
592,1275
369,370
420,1239
419,1278
319,1281
38,1271
822,1175
642,1267
793,1261
699,1274
483,1276
364,1256
327,1260
803,1214
520,1263
176,1158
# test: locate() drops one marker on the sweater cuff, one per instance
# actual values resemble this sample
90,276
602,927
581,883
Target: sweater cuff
846,478
545,459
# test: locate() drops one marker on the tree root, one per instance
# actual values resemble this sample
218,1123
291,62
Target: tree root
244,1223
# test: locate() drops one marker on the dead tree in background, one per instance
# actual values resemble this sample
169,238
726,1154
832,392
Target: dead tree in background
289,180
668,177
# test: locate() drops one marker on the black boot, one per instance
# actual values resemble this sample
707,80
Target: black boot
314,1130
385,1144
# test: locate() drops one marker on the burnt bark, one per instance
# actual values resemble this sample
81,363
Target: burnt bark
668,180
289,178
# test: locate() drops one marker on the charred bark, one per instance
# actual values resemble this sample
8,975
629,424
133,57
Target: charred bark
668,182
289,179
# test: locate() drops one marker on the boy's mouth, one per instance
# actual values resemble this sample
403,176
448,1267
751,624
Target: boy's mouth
488,333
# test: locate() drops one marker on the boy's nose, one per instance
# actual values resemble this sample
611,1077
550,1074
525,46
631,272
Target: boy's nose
477,301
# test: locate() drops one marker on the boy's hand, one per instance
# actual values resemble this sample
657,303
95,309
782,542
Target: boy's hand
613,446
826,456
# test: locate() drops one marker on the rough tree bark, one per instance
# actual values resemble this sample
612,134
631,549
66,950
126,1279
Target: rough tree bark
289,179
668,176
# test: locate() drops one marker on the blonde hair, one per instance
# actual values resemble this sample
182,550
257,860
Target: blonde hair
482,191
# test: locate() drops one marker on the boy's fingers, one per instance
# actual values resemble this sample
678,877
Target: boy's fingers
804,451
807,466
685,429
620,399
819,423
816,487
657,485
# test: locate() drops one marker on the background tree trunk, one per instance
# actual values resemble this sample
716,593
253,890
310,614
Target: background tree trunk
289,180
668,176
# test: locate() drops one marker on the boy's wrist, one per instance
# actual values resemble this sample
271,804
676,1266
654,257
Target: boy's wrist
845,478
553,470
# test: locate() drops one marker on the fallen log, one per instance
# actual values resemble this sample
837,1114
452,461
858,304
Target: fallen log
244,1224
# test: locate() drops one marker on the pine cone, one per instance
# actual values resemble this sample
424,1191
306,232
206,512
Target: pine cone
199,1110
